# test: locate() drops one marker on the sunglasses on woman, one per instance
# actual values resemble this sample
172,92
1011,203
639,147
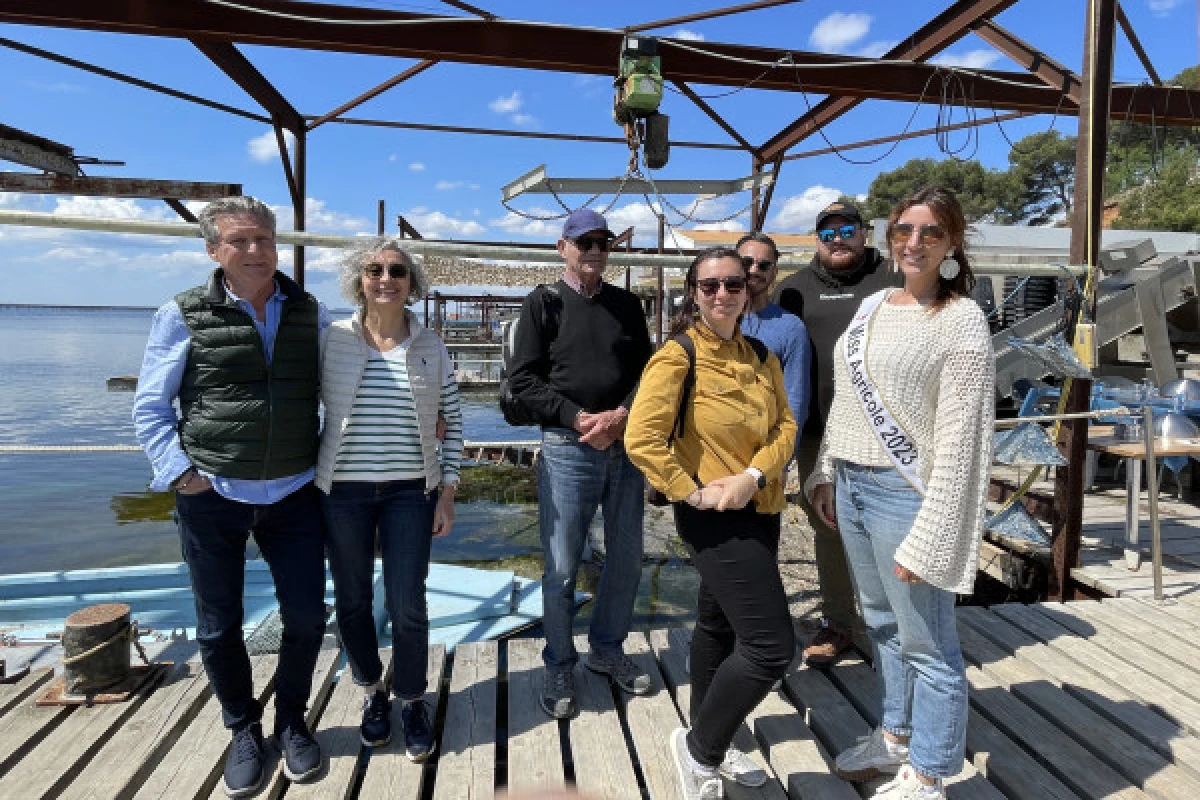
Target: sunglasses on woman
394,271
733,284
902,232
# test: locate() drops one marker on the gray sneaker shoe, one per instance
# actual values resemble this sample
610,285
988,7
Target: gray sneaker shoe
558,693
623,670
871,756
740,768
694,785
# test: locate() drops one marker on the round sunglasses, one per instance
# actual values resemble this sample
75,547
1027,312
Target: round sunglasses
734,284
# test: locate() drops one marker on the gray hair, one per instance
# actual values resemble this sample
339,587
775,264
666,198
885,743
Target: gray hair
356,258
241,204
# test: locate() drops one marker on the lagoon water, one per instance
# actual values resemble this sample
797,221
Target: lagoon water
61,511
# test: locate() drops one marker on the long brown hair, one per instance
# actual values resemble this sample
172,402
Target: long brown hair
949,214
688,311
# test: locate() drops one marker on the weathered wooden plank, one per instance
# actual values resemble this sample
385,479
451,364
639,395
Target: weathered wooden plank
1185,624
1171,608
1169,738
678,682
1132,758
24,729
467,767
1121,623
861,686
534,760
389,774
12,694
603,765
651,719
193,765
136,748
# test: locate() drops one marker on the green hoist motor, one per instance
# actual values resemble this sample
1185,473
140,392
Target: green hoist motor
639,86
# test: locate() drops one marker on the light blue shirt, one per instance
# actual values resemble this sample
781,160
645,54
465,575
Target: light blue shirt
155,416
784,335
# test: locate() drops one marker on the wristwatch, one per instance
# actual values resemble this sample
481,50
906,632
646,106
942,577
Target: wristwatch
759,477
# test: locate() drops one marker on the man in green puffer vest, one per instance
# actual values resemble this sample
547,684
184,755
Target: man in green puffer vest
239,353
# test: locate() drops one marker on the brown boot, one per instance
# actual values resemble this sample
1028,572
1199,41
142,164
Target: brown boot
826,646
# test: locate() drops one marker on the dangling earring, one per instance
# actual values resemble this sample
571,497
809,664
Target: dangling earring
949,269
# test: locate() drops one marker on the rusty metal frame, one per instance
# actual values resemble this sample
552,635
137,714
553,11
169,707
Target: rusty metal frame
1136,44
413,71
900,137
713,115
51,183
1029,57
713,14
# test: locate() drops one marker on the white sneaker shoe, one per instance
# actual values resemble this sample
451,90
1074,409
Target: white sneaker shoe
872,755
694,785
740,768
906,786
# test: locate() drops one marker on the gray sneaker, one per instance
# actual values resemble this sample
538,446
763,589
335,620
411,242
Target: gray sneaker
869,757
694,785
740,768
558,693
623,670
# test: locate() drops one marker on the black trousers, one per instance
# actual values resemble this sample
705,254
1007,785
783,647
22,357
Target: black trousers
743,641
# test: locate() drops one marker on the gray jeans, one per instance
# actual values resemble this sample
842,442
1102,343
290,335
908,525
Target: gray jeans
837,592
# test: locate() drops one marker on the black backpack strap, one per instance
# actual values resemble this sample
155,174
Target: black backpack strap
758,347
689,382
551,311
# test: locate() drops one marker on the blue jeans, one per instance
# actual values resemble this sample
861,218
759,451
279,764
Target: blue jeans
402,513
289,533
911,625
573,480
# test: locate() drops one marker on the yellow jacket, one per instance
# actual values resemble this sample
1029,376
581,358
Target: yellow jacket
738,417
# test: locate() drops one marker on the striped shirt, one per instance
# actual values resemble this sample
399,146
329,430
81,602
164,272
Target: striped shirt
381,441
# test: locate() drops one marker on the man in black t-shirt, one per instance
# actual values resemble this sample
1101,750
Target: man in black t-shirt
826,294
578,354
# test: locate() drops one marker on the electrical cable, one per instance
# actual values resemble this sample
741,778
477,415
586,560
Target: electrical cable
327,21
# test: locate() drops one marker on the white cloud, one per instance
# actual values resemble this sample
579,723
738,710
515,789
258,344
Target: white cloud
417,166
53,87
111,207
437,224
1162,8
689,35
265,148
523,226
799,212
508,105
318,217
524,120
447,186
878,49
972,59
839,30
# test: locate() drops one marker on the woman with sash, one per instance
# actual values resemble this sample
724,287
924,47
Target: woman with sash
903,475
712,430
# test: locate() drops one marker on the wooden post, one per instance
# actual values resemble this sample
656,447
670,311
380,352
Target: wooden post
661,296
96,648
1068,493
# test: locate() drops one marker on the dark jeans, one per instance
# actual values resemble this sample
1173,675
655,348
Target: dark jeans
213,533
402,514
743,641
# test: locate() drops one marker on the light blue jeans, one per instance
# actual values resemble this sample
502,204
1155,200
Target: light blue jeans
574,480
911,625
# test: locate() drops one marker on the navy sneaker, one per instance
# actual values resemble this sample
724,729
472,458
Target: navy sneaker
244,771
376,727
301,753
418,731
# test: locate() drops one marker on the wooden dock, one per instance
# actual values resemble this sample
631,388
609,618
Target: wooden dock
1081,700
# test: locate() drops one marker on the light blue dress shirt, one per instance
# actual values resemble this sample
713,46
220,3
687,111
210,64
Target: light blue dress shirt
157,420
785,335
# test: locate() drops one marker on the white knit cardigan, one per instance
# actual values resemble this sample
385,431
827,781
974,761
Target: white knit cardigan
344,356
936,372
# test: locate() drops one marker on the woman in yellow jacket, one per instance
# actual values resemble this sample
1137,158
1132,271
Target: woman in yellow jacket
723,473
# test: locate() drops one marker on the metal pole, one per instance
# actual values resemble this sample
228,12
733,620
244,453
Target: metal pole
658,304
1152,493
300,169
379,224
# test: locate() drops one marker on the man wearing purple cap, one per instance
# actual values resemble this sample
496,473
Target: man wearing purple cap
579,351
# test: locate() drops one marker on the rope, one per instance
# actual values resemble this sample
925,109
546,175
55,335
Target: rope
128,633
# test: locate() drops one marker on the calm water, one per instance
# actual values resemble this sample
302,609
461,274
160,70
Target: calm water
87,510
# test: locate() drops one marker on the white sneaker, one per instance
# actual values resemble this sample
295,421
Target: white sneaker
695,785
872,755
740,768
906,786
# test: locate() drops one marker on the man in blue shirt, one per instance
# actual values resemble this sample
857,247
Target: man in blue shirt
239,354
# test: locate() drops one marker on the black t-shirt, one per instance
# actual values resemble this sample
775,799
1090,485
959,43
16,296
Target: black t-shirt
826,301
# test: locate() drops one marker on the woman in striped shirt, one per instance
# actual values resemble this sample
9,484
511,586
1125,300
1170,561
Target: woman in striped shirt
385,381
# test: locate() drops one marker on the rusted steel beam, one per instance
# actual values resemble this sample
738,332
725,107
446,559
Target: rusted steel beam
1136,44
713,115
231,61
119,76
470,9
285,157
415,69
21,147
899,137
1067,534
406,228
927,41
1029,57
180,209
34,183
622,238
765,204
299,209
714,13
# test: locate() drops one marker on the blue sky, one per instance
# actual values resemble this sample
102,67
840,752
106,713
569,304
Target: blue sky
448,185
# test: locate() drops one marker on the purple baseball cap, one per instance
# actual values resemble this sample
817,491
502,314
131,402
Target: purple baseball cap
585,220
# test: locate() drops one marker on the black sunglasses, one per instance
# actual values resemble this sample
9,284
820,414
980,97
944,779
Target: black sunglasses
585,243
902,232
394,271
749,263
827,235
733,284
